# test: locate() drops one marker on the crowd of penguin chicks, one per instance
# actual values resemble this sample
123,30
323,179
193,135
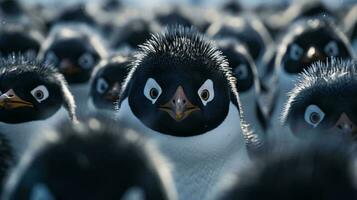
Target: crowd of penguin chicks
101,101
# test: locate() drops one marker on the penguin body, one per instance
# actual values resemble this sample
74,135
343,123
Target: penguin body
33,97
74,49
107,79
306,42
94,160
170,95
6,159
248,29
322,101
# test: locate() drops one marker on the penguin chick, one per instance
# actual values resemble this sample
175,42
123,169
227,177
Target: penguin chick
94,160
306,42
107,79
33,96
350,26
323,171
74,49
323,100
20,39
181,92
248,29
248,85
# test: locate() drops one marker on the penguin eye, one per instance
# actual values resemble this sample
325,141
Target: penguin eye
295,52
51,58
241,71
40,93
152,90
314,115
331,48
41,192
206,92
86,61
102,86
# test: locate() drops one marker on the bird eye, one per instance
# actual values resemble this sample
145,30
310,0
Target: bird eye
102,86
206,92
331,48
86,61
314,115
51,58
295,52
152,90
40,93
241,71
41,192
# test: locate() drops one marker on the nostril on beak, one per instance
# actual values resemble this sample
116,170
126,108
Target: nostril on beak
345,126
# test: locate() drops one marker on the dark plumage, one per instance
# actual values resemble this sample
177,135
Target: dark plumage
94,160
323,100
74,49
31,91
322,171
173,16
74,14
6,159
107,79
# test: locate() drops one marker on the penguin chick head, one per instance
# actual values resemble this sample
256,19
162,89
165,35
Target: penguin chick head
74,49
310,40
180,84
31,91
323,100
107,81
94,160
316,171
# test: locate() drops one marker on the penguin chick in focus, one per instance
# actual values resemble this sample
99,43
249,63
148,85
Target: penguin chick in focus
324,171
182,93
95,160
107,79
16,38
33,97
247,29
248,85
323,101
306,42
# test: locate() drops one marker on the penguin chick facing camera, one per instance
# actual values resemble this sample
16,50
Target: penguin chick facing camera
248,29
74,49
181,92
94,160
323,101
107,79
319,170
306,42
247,84
33,97
15,38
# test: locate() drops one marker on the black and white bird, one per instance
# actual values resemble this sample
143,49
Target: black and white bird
181,92
317,170
306,42
248,29
95,160
248,85
350,26
33,97
74,49
19,38
107,79
323,101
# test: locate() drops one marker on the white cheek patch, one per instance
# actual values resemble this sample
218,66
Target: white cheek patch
134,193
150,84
207,85
41,192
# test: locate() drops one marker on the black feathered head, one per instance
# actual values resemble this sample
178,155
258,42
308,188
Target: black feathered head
31,91
180,84
324,100
94,160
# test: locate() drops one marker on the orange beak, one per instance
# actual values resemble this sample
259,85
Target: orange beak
10,100
179,107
